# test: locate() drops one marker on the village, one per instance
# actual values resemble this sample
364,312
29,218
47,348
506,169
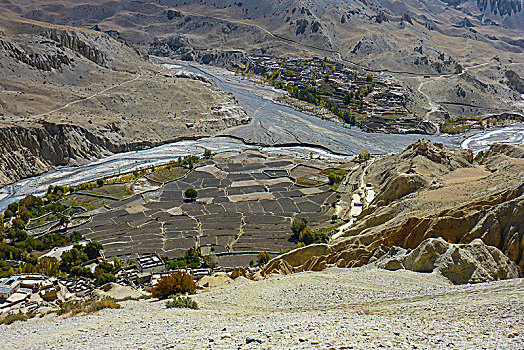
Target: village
331,90
29,295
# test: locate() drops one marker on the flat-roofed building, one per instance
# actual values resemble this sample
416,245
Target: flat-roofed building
9,286
150,263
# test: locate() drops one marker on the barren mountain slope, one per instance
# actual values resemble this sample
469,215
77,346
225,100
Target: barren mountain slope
71,94
477,45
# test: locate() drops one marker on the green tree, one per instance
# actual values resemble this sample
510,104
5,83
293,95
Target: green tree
48,266
298,226
92,249
263,258
79,271
191,194
64,221
72,257
100,182
105,278
307,236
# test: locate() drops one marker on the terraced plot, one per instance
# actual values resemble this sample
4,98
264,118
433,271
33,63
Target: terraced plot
246,203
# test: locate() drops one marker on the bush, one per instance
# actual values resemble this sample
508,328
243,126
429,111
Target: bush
11,318
104,278
298,226
191,194
364,155
263,258
87,307
92,250
173,284
181,302
100,182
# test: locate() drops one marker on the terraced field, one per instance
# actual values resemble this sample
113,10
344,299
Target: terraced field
246,203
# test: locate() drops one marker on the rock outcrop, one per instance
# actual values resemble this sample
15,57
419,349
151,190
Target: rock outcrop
460,263
74,42
429,192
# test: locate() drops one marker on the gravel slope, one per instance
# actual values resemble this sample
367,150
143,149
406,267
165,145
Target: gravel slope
360,308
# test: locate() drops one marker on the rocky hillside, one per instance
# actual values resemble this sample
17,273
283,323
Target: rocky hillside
68,95
475,206
476,45
333,309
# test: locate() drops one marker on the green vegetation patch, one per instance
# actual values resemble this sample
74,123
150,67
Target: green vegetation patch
182,302
120,191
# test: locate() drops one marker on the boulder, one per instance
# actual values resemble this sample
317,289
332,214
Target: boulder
399,186
460,263
239,271
117,291
279,266
422,258
214,280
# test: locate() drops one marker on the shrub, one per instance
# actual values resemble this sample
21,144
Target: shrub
173,284
364,155
11,318
191,194
298,226
182,302
104,278
100,182
87,307
263,258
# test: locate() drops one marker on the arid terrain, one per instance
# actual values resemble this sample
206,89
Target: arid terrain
70,95
456,58
334,309
289,174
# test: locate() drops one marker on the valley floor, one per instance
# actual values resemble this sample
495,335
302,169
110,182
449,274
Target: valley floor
363,308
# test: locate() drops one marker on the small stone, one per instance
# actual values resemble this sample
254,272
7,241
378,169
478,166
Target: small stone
513,334
302,340
253,340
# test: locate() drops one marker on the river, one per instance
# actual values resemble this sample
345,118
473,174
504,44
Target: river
275,128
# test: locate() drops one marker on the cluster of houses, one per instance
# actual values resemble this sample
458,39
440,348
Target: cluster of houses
31,293
383,107
36,293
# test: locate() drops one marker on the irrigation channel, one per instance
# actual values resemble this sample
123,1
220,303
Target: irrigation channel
274,128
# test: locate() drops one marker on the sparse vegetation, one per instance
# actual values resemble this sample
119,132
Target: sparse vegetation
11,318
87,307
174,284
263,258
182,302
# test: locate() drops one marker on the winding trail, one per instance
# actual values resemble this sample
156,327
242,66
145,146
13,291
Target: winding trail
88,97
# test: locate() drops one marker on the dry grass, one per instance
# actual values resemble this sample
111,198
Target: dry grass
87,307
